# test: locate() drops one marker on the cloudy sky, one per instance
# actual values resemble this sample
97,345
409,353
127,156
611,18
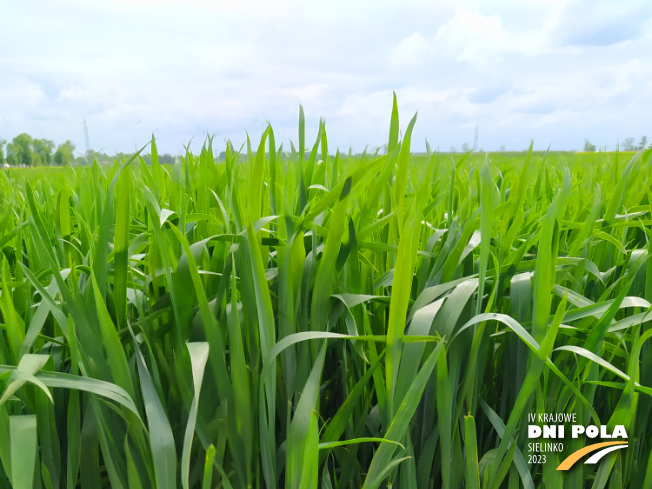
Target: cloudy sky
555,71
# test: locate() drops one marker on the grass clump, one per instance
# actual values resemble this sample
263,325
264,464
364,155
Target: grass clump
307,320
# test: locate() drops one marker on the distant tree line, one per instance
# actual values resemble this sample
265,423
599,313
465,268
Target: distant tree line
24,150
103,158
627,145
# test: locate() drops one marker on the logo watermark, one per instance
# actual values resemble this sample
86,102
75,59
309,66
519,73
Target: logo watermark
550,432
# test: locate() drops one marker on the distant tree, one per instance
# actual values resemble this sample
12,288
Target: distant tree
453,149
643,143
2,151
588,147
43,150
466,148
64,154
19,151
628,145
502,149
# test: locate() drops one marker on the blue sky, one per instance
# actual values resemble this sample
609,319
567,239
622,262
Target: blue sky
555,71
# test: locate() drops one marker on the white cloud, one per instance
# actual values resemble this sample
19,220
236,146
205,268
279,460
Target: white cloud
475,38
591,23
555,70
410,51
470,36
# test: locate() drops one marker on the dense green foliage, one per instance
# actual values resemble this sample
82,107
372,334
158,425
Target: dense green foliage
282,321
24,150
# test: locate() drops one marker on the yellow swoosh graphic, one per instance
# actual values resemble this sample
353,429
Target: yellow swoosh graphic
575,456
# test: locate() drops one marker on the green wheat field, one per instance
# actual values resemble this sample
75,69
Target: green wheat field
294,318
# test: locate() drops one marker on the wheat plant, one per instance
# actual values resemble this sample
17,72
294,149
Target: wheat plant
302,319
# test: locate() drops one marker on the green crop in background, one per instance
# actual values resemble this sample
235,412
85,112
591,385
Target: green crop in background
306,320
